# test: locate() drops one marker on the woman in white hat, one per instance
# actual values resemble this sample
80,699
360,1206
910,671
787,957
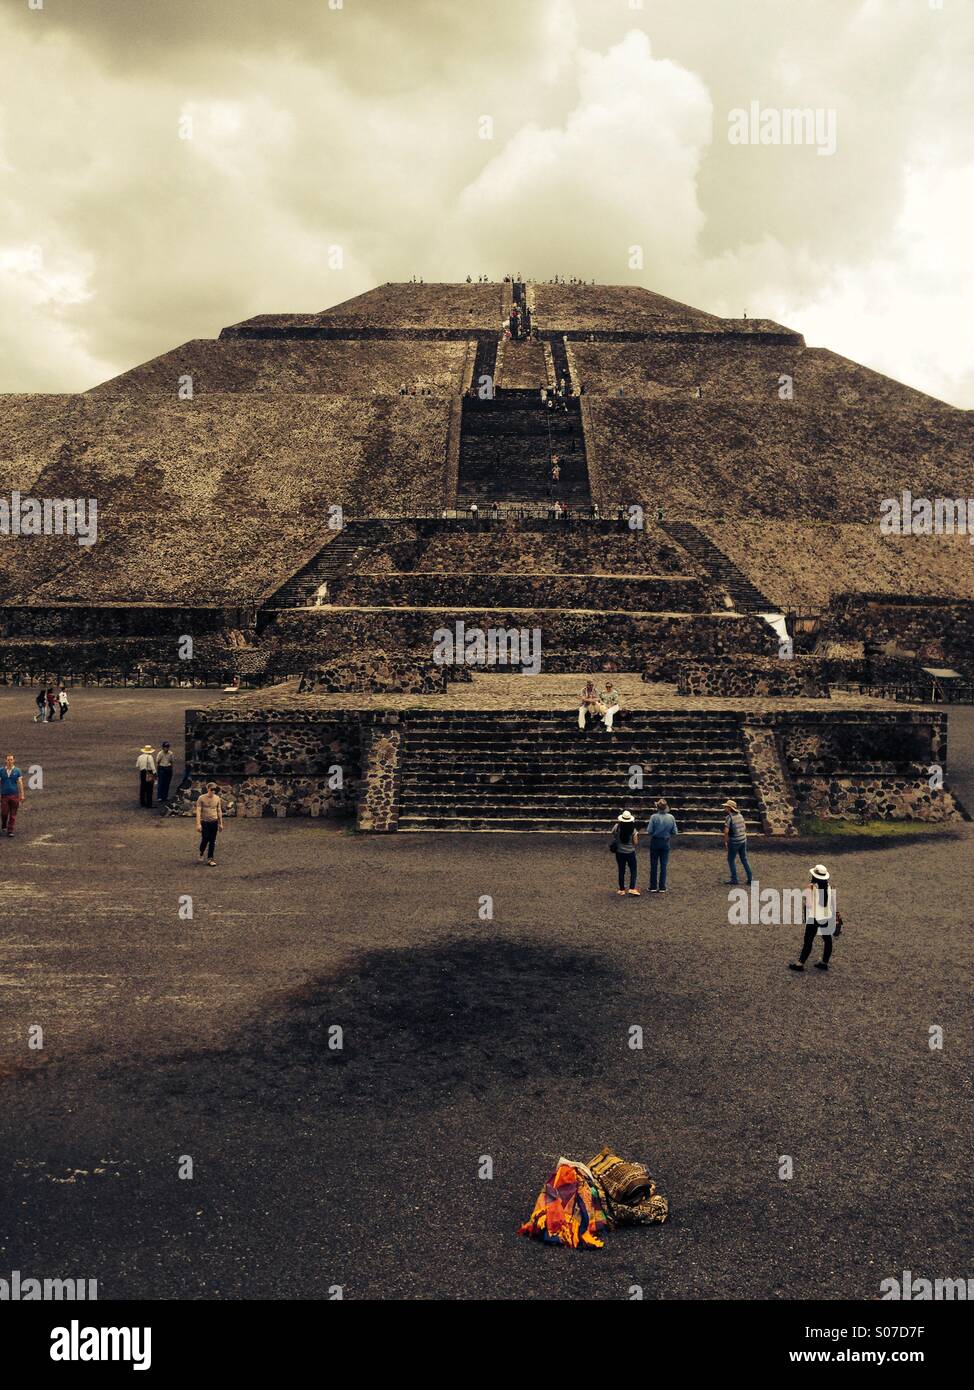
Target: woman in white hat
821,918
624,840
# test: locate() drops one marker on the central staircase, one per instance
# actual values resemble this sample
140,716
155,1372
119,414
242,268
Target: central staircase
507,446
537,771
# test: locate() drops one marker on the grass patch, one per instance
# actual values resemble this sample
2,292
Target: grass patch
872,829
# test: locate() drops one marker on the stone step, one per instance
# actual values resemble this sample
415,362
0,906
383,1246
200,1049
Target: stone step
718,765
604,809
536,825
710,792
613,744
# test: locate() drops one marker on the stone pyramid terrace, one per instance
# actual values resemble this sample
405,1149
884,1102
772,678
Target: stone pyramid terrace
372,475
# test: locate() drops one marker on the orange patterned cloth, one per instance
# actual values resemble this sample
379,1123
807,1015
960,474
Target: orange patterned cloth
569,1210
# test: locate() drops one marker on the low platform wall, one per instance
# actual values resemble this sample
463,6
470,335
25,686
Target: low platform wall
571,640
293,758
277,761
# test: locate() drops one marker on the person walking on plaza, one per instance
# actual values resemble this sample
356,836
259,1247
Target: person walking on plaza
821,919
62,700
209,821
41,703
51,704
11,794
165,762
145,765
661,829
735,841
624,842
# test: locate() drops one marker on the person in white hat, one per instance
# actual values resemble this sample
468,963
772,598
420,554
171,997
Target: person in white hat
145,766
624,840
821,918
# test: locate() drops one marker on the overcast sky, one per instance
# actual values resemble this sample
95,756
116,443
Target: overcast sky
360,127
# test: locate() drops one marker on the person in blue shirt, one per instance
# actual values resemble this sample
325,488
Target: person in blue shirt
11,794
661,829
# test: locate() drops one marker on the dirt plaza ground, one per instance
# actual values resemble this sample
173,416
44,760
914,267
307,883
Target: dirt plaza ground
316,1168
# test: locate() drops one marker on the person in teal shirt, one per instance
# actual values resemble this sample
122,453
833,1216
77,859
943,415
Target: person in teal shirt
11,794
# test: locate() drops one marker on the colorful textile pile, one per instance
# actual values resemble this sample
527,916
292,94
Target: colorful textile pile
581,1201
569,1210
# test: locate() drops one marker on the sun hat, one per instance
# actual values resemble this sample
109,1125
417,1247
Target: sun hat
626,816
147,748
730,805
821,873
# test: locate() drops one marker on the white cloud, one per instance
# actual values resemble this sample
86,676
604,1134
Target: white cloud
359,128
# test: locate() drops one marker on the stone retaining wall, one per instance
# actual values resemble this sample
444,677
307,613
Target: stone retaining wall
377,672
570,640
378,805
772,784
676,595
277,762
906,625
753,675
115,620
865,765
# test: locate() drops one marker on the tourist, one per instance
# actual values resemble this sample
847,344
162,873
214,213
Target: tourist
735,841
821,919
661,829
165,762
11,794
610,703
590,703
209,820
145,765
623,844
62,699
41,703
51,703
556,472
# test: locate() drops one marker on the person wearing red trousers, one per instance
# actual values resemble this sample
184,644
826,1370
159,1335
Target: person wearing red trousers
11,794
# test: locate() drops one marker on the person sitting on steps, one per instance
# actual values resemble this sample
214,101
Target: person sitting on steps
610,703
590,702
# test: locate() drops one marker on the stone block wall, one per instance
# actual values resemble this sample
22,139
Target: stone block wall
753,675
527,546
570,640
125,660
378,804
376,671
772,783
879,796
277,761
114,620
905,625
864,765
492,589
